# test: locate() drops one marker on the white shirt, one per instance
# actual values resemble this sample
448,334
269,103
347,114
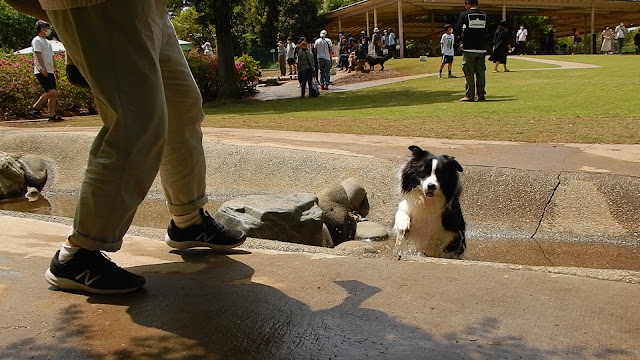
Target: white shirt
621,32
322,48
42,46
522,34
291,50
447,40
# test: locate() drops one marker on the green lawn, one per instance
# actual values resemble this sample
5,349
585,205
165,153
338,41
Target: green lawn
581,105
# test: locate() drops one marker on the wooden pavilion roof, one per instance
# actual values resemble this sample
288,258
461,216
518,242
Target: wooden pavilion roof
564,15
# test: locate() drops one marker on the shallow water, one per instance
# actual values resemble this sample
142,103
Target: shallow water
153,213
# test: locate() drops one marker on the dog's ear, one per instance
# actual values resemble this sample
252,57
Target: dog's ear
417,152
453,161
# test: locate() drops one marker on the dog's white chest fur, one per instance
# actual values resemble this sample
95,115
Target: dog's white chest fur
418,225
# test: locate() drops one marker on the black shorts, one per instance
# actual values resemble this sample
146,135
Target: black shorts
447,59
48,82
291,61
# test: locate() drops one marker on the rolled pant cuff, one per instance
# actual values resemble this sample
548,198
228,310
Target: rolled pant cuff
93,244
187,208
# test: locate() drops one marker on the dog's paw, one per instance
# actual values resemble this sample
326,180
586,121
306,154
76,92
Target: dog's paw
403,222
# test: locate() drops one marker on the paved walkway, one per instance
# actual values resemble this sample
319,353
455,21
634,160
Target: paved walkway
289,89
266,304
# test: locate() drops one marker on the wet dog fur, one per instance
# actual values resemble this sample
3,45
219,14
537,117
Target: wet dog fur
429,218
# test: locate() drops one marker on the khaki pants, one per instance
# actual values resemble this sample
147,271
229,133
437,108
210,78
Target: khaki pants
151,109
474,66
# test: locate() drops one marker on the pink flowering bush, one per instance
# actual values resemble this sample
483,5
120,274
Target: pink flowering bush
19,88
205,71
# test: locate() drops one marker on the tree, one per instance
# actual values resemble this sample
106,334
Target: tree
300,18
17,29
330,5
220,13
189,28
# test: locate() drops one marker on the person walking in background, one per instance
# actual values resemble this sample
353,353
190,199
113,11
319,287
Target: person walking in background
316,71
291,56
550,43
44,68
323,49
151,109
282,56
607,34
576,41
501,46
376,40
391,40
472,25
521,35
620,32
384,40
446,48
305,67
636,42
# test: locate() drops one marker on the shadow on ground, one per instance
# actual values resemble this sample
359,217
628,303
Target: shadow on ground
219,311
344,101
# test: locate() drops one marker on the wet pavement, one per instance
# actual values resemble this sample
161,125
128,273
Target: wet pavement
267,304
555,227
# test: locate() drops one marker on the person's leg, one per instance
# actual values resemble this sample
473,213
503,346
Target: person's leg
303,81
480,69
620,45
52,101
126,154
469,81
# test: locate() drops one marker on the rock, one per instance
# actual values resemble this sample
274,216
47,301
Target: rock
355,248
368,230
357,196
35,170
326,237
335,213
292,218
11,177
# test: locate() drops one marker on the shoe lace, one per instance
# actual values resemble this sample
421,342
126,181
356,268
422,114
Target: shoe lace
102,262
210,223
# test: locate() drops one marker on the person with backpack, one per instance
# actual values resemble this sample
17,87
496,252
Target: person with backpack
305,68
472,25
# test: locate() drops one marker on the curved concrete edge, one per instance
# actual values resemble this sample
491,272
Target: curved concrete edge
546,197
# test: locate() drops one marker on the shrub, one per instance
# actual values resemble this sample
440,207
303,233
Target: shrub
205,71
19,88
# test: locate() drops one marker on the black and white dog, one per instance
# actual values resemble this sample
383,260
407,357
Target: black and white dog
429,219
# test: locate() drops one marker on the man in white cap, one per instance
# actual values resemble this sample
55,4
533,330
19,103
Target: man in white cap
323,50
376,39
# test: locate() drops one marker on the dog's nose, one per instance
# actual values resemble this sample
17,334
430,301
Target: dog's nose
431,187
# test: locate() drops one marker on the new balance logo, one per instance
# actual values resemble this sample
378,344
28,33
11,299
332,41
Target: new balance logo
205,238
87,277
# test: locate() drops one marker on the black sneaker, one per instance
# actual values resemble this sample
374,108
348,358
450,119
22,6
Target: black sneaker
209,234
92,272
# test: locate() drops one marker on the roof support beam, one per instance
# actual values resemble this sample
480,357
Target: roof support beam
401,29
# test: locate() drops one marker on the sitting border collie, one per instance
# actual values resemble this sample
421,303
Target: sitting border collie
376,60
429,219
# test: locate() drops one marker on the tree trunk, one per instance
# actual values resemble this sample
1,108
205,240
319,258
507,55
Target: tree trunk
228,86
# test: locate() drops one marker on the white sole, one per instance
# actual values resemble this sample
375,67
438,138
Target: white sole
193,244
66,284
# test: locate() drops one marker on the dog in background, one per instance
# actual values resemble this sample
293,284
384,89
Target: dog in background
376,60
429,219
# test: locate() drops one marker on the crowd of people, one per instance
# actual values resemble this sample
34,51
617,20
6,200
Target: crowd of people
313,60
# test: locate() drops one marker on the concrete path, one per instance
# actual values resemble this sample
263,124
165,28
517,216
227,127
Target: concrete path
289,89
259,304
